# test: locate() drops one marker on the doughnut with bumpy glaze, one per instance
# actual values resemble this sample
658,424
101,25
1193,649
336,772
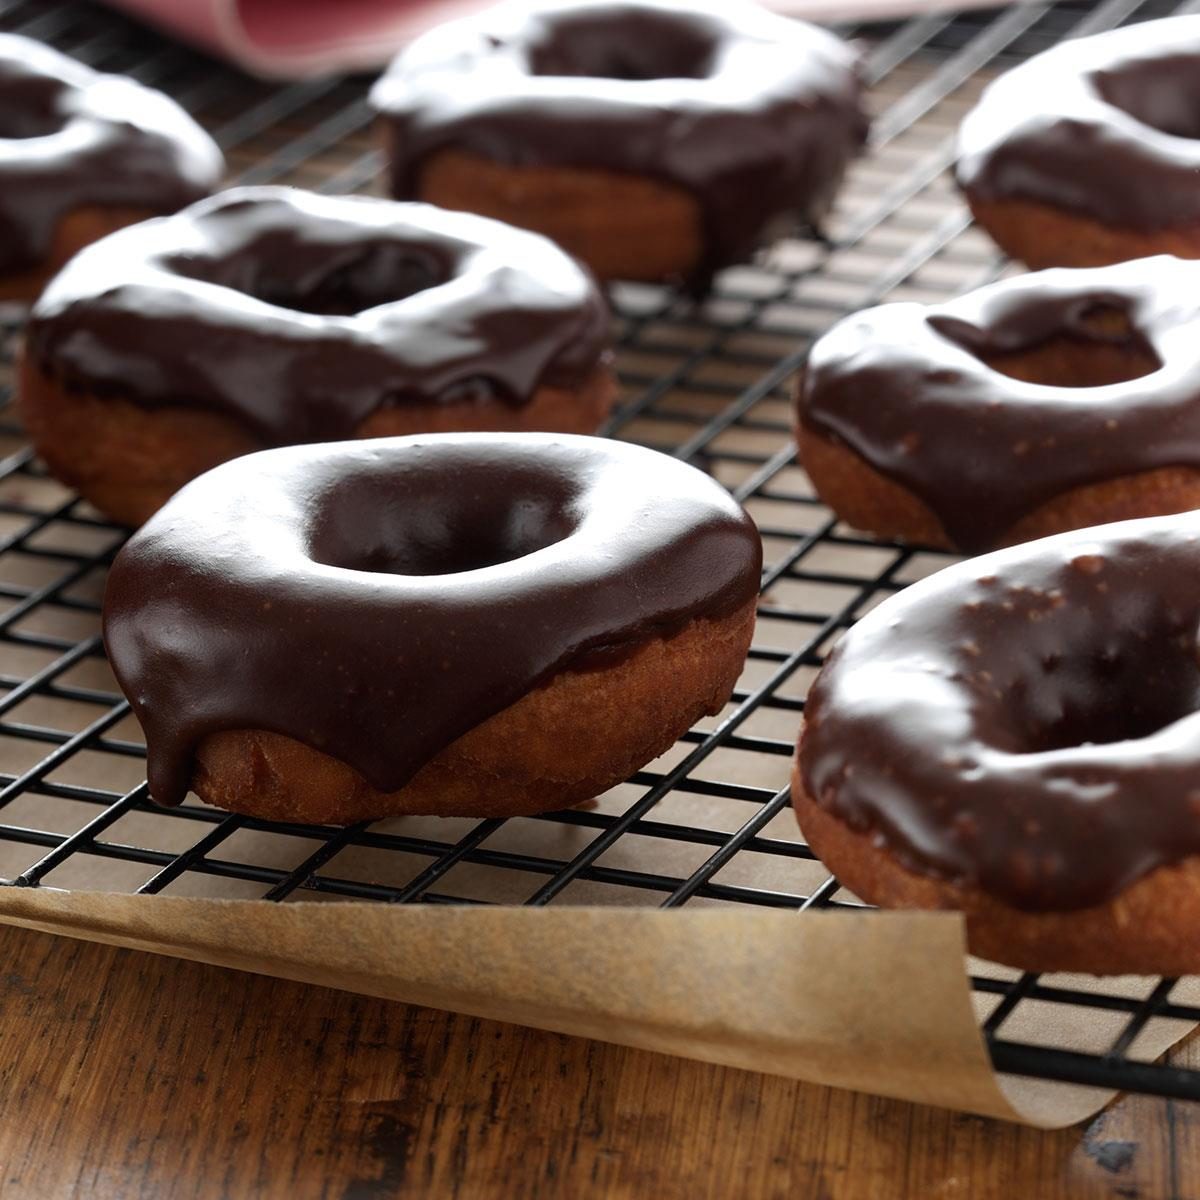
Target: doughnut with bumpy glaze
1018,737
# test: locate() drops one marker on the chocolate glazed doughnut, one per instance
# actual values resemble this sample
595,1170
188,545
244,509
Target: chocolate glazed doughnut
1042,403
270,316
1018,737
654,139
1087,154
82,154
470,624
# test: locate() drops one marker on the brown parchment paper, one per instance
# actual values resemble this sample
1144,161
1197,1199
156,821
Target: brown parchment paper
877,1002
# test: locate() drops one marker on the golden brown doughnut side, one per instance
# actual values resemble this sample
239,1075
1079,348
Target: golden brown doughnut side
1062,361
124,459
128,460
1041,235
862,496
574,737
868,500
622,226
1149,929
76,230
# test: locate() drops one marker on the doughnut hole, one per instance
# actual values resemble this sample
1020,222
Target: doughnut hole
328,281
41,119
40,112
643,46
1163,93
1103,348
455,527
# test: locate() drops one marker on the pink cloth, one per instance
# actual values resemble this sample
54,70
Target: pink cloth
298,38
292,39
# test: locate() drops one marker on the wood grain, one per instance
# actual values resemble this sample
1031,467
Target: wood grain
124,1076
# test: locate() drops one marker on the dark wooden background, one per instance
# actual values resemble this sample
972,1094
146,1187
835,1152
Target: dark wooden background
126,1076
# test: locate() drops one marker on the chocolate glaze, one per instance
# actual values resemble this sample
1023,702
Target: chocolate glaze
1026,722
301,314
71,138
375,600
1106,126
906,387
754,114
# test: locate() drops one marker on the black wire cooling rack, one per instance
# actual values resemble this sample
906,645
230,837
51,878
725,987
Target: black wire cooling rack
707,824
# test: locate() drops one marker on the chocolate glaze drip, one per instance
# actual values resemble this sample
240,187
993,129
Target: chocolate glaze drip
375,600
1026,722
302,314
1106,126
71,138
754,114
907,387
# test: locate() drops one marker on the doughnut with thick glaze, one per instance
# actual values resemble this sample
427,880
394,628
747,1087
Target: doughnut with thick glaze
270,316
1088,153
82,154
1018,737
468,624
654,139
1039,404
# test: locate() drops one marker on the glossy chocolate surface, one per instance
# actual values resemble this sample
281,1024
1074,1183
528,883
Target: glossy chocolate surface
1025,722
909,388
1106,126
753,114
375,600
71,138
301,314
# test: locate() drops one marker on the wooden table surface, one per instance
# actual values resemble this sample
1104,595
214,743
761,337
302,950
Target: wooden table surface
128,1076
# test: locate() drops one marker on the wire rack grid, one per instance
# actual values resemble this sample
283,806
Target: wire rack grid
707,824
